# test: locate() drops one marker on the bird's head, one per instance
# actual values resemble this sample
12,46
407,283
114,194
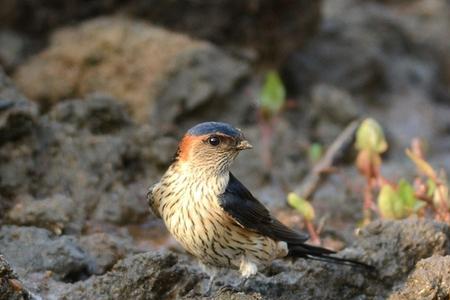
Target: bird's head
212,146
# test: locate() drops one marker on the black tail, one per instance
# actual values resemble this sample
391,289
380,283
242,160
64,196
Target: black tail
322,254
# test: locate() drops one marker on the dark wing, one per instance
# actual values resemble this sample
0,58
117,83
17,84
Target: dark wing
248,212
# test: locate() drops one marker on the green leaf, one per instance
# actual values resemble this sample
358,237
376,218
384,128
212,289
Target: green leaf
370,136
273,94
398,203
387,199
303,206
406,193
315,152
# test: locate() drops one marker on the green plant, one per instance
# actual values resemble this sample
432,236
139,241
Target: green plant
370,143
273,95
272,99
399,200
315,153
306,210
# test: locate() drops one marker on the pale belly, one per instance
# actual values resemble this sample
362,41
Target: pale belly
211,236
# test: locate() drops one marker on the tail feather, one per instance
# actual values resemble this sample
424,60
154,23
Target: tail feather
322,254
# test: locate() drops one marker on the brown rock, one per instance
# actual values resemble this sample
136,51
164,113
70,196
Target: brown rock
429,280
115,55
134,62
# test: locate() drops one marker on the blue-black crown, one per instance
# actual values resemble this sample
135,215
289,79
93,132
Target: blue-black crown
214,127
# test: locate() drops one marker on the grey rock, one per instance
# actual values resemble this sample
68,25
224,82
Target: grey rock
31,249
13,49
123,205
331,109
429,280
333,104
17,122
401,244
106,249
198,78
17,114
11,287
91,152
58,213
366,49
142,276
100,114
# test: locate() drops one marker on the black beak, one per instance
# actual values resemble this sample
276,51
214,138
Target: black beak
243,145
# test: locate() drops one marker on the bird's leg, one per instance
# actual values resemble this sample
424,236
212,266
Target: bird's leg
247,268
212,273
212,277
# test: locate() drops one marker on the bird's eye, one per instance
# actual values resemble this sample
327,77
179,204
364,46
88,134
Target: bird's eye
214,140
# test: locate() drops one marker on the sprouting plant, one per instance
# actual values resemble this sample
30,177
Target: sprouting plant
398,202
273,95
403,199
306,210
272,100
370,143
431,186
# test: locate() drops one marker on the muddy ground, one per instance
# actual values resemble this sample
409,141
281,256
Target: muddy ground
94,96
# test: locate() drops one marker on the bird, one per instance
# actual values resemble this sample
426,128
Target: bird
215,217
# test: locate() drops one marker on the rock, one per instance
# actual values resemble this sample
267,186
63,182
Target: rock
142,276
31,249
58,213
259,24
334,104
331,110
123,205
365,49
105,250
114,55
134,62
401,244
199,78
13,49
429,280
11,287
401,129
230,295
17,114
17,122
381,56
91,152
38,18
100,114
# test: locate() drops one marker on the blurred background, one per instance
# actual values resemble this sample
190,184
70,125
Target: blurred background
94,96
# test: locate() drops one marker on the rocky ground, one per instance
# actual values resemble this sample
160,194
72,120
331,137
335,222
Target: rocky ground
94,97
